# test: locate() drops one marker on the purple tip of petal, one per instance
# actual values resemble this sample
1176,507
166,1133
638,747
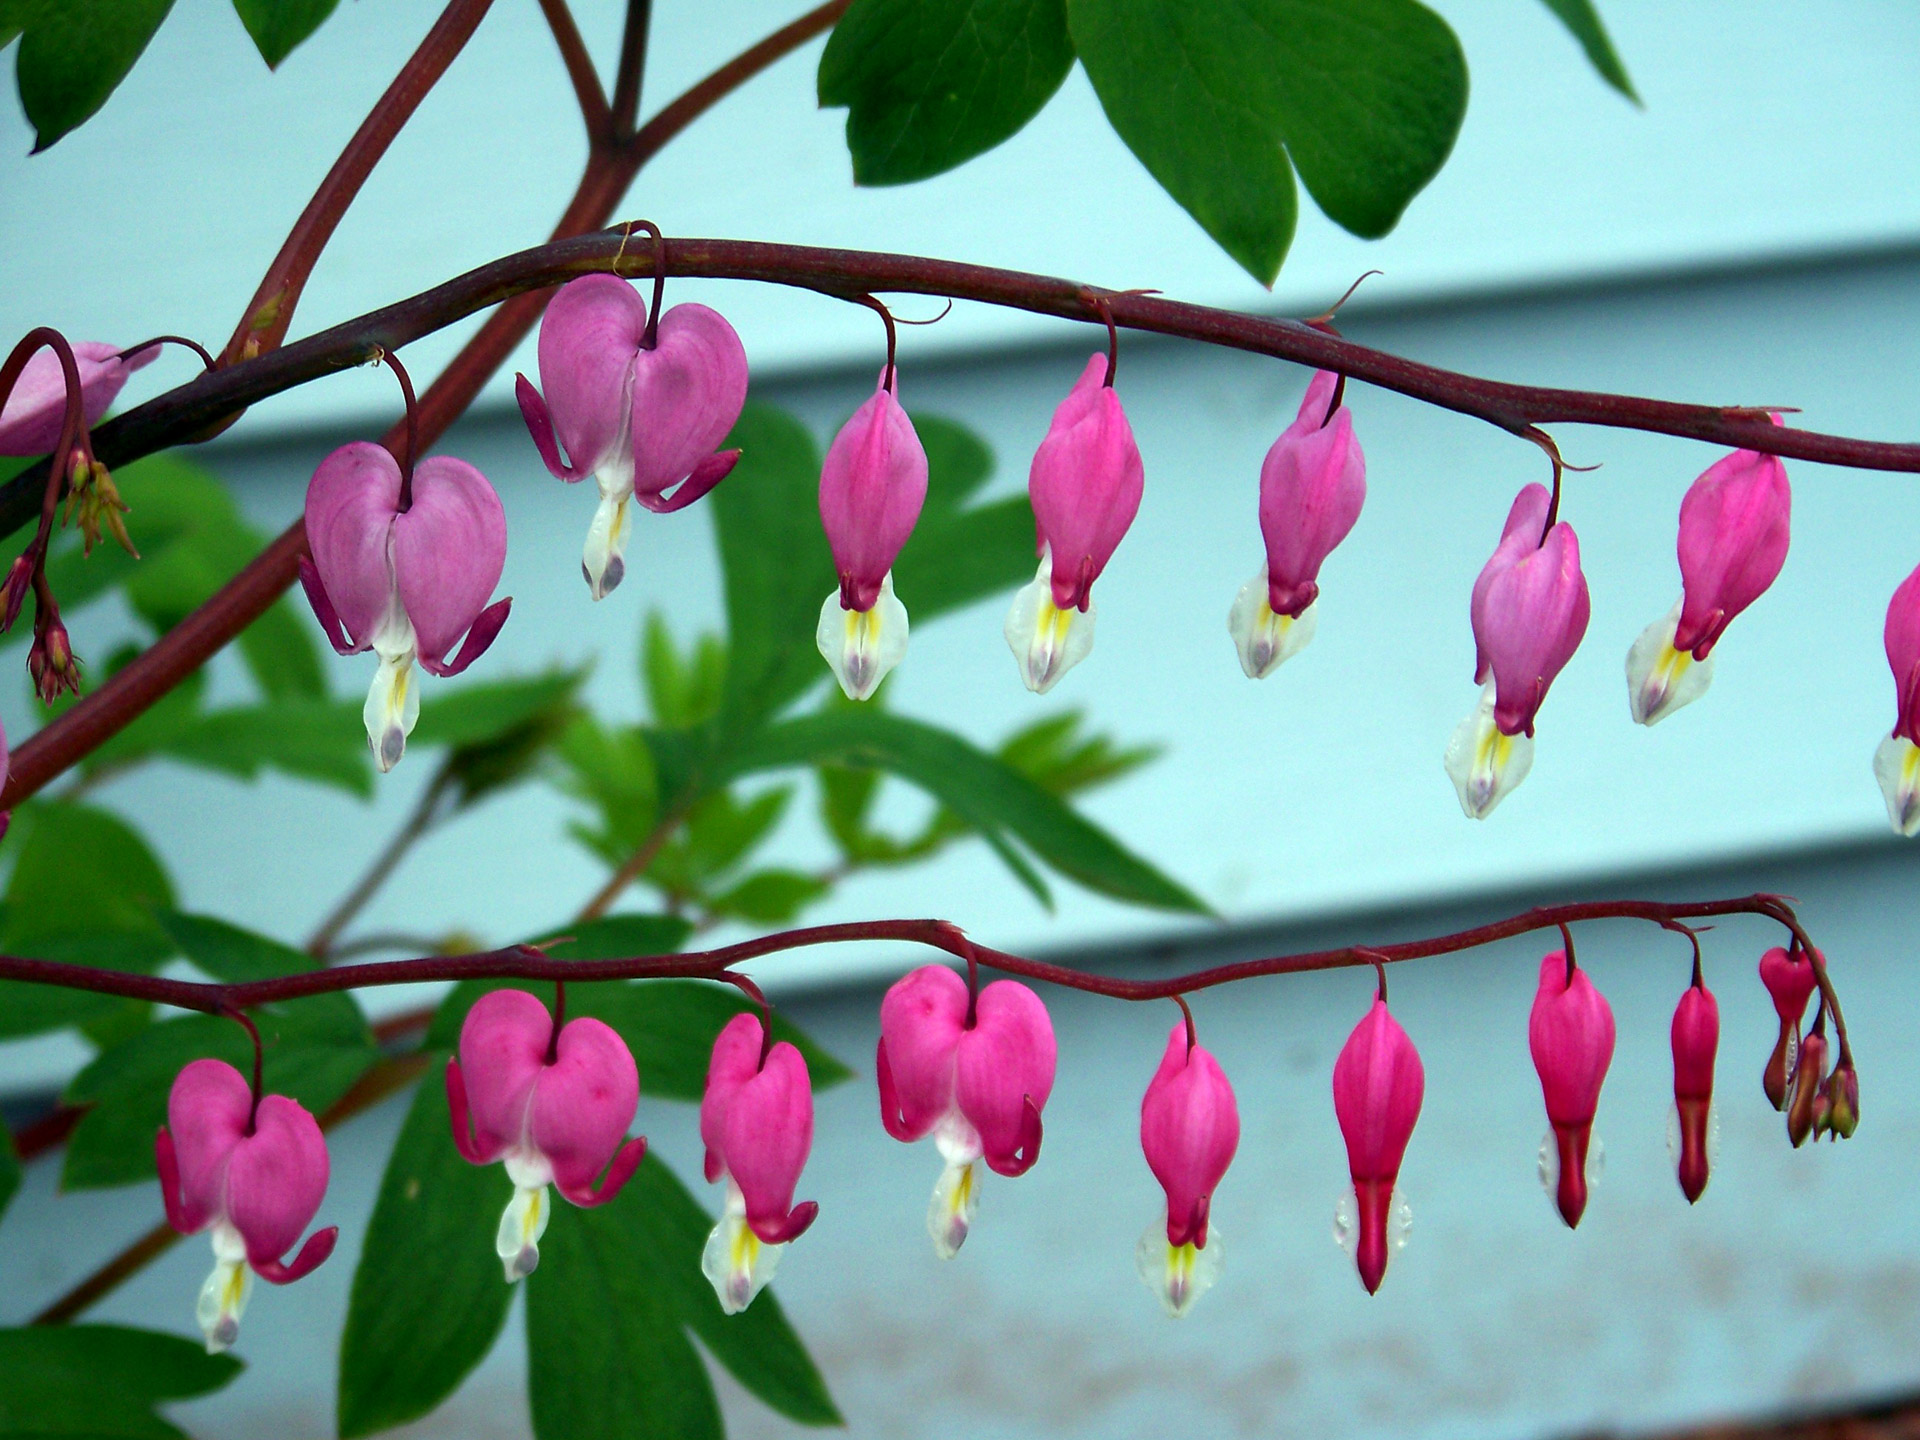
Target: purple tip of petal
707,474
486,626
533,410
788,1228
323,610
312,1256
626,1160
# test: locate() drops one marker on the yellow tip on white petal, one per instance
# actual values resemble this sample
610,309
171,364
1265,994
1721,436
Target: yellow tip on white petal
522,1223
1660,679
1483,764
224,1295
1046,640
737,1262
1896,765
1178,1275
956,1199
862,646
603,561
1263,638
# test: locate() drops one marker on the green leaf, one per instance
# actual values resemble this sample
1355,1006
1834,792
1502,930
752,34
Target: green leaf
769,897
682,691
987,793
316,740
9,1167
278,26
101,1381
229,953
476,714
607,1353
279,653
1056,753
73,55
1580,17
1365,97
428,1296
613,770
929,86
957,555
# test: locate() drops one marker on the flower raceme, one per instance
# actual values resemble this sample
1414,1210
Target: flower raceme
1695,1036
1378,1083
1734,526
1570,1033
31,418
641,410
1896,764
975,1076
756,1120
1085,485
1312,485
1790,979
872,486
405,580
552,1102
1189,1129
1529,610
253,1172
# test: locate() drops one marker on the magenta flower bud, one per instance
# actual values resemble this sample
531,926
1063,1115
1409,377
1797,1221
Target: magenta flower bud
1808,1105
1695,1036
977,1082
872,486
756,1120
253,1173
1896,764
641,414
1189,1129
406,584
13,591
31,418
51,663
1085,485
1378,1083
1790,979
1843,1102
1571,1035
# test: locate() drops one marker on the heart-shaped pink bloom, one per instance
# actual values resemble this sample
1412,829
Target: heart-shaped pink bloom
756,1120
1189,1129
1312,485
1529,610
31,418
1570,1033
1378,1084
1790,979
1902,638
1734,526
1695,1036
1085,485
872,486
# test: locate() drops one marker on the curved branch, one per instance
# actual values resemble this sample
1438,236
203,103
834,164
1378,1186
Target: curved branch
586,83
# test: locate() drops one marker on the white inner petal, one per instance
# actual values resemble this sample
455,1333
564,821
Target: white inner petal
393,700
956,1198
862,646
1661,679
224,1295
603,561
1483,764
736,1262
1046,640
1896,765
522,1223
1178,1275
1263,638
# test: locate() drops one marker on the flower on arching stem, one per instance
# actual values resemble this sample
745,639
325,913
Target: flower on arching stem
976,1078
51,663
1843,1102
1896,764
1312,485
1695,1036
1808,1104
550,1101
1570,1033
32,416
1085,485
1189,1129
254,1172
871,489
756,1120
406,581
1734,526
1790,979
1378,1083
640,409
1529,612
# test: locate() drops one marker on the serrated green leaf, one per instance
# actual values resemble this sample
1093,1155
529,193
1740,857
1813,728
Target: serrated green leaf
1583,20
474,714
928,87
1364,97
74,54
1056,753
101,1381
682,691
613,770
279,26
410,1340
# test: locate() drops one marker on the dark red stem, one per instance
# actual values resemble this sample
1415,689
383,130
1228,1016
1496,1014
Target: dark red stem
410,450
245,1022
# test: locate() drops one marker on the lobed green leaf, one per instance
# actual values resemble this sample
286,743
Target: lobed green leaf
279,26
101,1381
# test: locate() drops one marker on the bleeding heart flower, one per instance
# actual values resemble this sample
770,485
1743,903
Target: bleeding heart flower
1896,764
1808,1105
550,1101
975,1078
1378,1084
404,580
1571,1035
756,1120
255,1173
30,419
641,410
1312,485
1695,1036
1790,979
1189,1129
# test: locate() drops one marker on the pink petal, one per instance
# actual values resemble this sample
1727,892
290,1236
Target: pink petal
1003,1067
1734,525
872,486
1378,1084
688,392
503,1049
1530,610
207,1113
735,1061
766,1136
1695,1036
583,1104
277,1179
1312,485
1570,1033
589,337
1189,1129
1902,637
30,421
1789,978
448,552
921,1022
1085,484
350,511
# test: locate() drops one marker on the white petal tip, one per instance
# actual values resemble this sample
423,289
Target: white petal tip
603,561
950,1211
862,647
1661,679
1263,639
1484,764
736,1262
1896,765
1178,1275
1045,640
393,705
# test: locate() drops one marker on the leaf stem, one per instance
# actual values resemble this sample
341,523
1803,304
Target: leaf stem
586,83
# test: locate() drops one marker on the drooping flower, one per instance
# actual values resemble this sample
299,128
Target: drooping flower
31,418
1189,1129
406,583
1529,611
756,1121
872,486
1896,764
1378,1083
1085,485
639,411
976,1079
1808,1104
1790,979
253,1173
1695,1036
1312,485
1570,1034
1734,526
552,1102
1843,1101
